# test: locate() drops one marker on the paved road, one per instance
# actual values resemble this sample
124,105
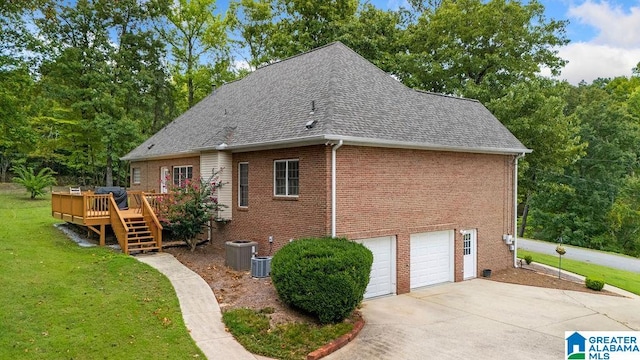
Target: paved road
581,254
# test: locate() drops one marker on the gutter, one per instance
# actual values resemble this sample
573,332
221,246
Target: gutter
515,209
334,150
361,141
323,139
180,154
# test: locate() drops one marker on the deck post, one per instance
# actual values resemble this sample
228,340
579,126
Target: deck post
102,235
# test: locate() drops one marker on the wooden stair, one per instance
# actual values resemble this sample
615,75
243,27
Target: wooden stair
139,237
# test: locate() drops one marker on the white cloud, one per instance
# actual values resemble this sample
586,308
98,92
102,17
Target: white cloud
589,61
241,65
615,25
614,51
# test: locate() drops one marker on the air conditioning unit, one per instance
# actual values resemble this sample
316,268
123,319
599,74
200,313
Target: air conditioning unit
261,266
238,254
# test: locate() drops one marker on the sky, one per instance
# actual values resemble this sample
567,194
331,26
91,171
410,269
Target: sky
604,36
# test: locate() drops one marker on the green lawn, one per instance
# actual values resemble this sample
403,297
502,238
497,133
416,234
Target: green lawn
61,301
292,341
626,280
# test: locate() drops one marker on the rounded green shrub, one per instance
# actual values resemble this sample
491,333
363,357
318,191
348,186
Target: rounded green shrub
324,277
528,259
594,284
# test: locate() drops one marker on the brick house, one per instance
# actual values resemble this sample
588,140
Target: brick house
325,143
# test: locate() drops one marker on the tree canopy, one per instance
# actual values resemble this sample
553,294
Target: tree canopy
83,82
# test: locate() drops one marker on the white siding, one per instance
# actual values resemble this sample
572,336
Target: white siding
215,161
208,162
225,164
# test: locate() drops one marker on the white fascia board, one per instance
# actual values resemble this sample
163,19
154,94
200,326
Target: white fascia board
161,156
347,140
268,145
358,141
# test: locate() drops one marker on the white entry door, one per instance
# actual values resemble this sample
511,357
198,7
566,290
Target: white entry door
469,251
164,178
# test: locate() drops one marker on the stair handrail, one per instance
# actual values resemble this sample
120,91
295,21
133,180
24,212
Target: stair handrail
118,224
147,210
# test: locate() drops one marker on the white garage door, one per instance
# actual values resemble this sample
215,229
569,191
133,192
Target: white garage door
431,258
382,280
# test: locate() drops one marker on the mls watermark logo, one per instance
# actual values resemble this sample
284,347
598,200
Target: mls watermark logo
575,345
602,345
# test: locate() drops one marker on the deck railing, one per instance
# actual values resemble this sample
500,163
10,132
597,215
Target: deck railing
93,211
97,205
157,201
79,208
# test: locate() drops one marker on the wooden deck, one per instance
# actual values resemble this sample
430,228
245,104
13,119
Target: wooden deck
136,228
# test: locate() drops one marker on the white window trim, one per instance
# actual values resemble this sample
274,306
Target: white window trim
165,178
173,171
286,178
133,175
239,181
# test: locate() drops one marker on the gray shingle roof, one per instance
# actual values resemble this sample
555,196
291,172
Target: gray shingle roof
353,100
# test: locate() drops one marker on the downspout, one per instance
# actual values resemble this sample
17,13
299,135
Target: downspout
515,210
334,150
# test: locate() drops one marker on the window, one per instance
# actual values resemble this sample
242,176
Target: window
182,173
243,184
286,178
135,175
466,238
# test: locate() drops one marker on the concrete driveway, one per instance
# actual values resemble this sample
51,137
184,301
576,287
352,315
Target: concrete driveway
482,319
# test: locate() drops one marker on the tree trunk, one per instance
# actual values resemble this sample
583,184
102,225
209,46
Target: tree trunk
190,87
4,167
190,65
109,175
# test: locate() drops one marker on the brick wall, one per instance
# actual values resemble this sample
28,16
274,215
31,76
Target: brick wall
282,218
380,192
399,192
150,171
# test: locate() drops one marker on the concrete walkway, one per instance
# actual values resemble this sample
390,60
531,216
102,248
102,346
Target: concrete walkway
199,308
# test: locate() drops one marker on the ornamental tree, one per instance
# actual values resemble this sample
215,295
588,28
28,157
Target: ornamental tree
190,206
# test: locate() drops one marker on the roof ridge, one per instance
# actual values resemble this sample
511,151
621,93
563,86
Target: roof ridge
274,63
405,86
444,95
299,55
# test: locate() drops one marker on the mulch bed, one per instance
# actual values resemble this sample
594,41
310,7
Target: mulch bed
536,275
